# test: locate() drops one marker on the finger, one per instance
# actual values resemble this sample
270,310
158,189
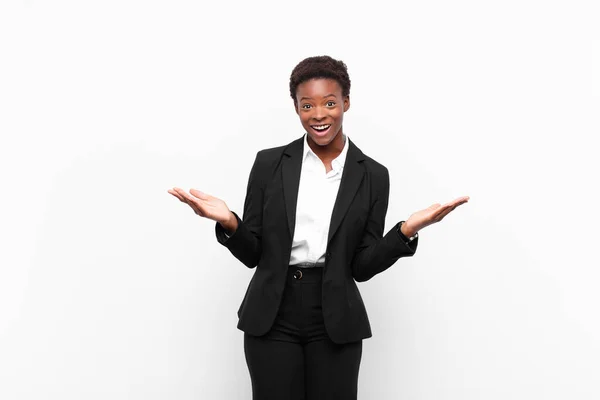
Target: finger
176,195
449,210
186,195
444,213
460,200
180,198
183,197
457,202
197,209
201,195
195,204
441,212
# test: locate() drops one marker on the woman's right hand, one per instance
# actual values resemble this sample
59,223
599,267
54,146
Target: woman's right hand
207,206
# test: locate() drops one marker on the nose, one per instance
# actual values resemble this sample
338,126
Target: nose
319,113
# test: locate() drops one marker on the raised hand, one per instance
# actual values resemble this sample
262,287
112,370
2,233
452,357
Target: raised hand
430,215
206,206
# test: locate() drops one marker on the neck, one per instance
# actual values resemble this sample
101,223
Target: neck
330,150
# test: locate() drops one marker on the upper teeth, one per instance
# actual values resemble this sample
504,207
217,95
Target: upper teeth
321,127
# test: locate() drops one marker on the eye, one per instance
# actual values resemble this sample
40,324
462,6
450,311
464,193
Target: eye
330,103
306,106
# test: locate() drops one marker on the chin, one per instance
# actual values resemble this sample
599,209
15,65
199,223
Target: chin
323,140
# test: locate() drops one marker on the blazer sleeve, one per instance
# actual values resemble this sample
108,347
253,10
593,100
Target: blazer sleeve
245,242
376,252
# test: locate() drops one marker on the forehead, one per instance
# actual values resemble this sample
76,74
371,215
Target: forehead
318,87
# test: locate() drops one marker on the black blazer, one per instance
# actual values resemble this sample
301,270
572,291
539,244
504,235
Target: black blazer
356,247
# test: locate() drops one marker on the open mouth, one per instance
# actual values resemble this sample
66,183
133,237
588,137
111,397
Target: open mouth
321,128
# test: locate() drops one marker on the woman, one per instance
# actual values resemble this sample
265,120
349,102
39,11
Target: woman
313,225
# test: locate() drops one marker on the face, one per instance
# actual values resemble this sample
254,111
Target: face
321,106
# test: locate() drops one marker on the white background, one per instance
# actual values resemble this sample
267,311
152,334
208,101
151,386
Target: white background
110,288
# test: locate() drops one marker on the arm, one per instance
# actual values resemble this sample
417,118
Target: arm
376,252
245,241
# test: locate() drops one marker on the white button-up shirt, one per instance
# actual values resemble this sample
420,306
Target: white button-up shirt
316,197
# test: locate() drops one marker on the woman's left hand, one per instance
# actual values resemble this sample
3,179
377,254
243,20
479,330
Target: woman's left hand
430,215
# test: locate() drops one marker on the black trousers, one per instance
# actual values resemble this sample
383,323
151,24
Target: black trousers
296,360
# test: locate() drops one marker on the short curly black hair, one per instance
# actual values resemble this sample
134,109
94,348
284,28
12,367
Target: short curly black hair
320,67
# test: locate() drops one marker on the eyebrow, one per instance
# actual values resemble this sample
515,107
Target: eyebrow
310,98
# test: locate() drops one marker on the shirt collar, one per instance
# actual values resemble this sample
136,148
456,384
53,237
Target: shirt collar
337,164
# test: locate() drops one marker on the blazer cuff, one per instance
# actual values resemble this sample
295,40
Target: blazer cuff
403,236
222,236
405,244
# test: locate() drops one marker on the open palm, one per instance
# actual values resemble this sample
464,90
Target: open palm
203,204
431,215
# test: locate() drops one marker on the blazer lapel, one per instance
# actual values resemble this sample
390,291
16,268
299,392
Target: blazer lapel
291,165
352,176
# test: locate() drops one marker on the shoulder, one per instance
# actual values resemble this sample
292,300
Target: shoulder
270,154
375,169
274,154
268,160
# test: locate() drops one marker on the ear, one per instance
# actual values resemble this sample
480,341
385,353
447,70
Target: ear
296,107
346,103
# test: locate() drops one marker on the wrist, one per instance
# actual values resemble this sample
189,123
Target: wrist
231,224
407,230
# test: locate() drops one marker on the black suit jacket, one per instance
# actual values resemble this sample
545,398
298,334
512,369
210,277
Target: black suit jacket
356,248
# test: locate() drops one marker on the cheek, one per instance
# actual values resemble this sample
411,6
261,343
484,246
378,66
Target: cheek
338,114
305,118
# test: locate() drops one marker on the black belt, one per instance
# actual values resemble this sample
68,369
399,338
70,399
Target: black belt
311,274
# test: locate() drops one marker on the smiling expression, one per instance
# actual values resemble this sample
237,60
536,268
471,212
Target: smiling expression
321,106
